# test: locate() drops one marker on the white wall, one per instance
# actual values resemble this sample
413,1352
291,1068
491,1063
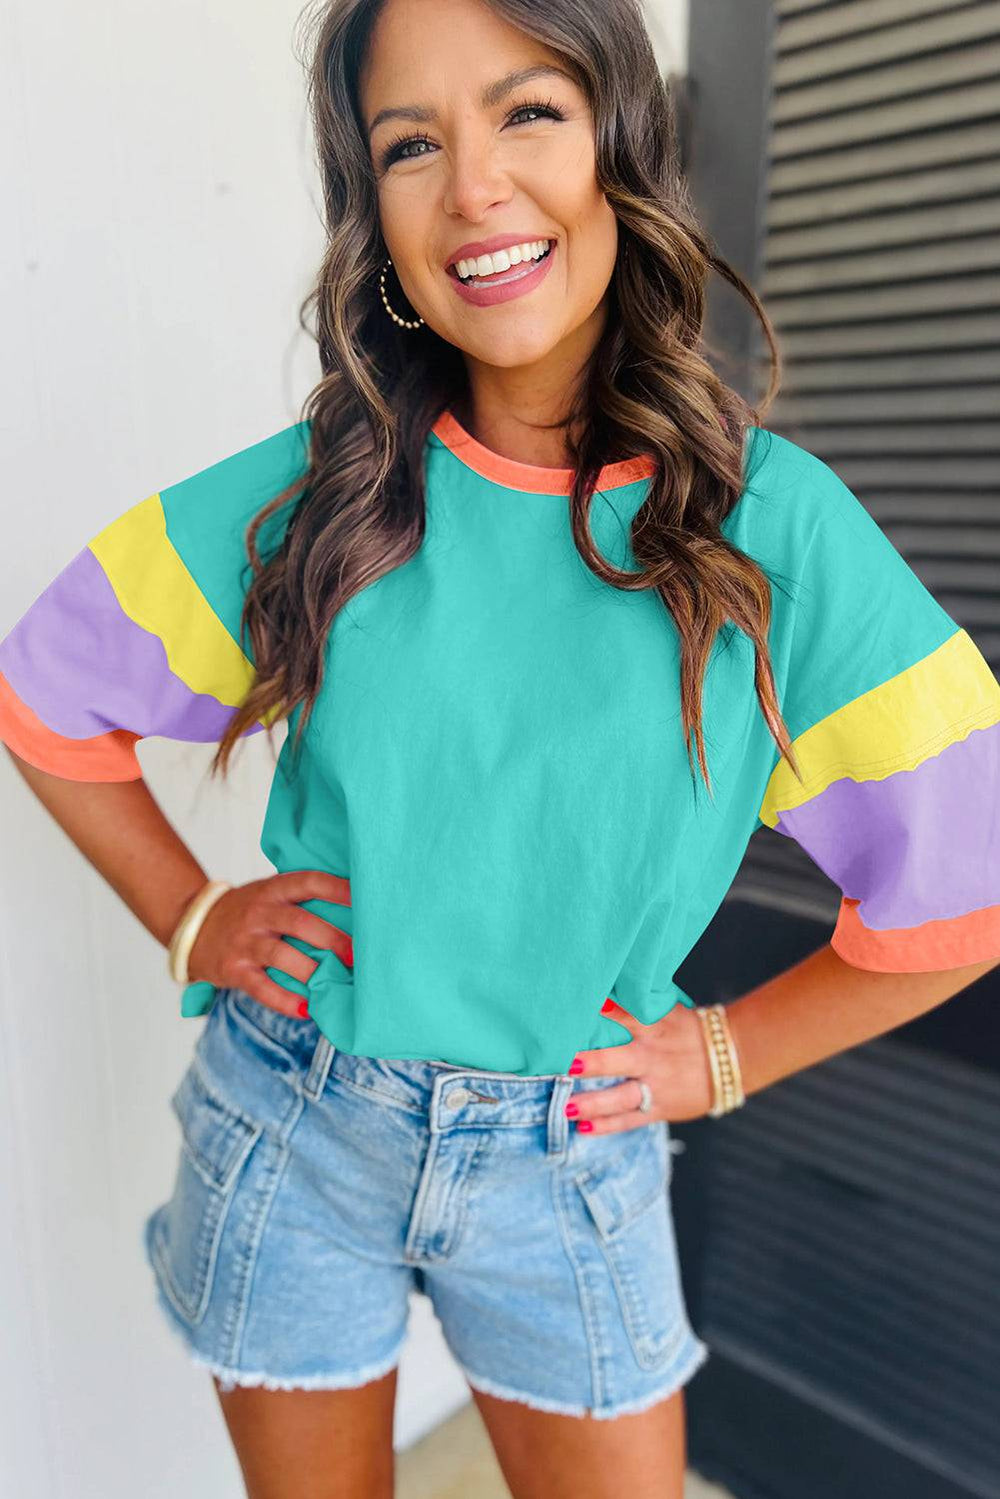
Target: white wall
161,228
667,23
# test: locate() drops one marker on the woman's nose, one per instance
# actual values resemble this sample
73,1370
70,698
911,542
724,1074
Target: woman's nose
475,183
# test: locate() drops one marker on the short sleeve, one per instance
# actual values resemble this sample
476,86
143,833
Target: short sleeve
139,634
894,715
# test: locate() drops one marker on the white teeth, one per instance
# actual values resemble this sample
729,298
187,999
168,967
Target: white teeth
502,260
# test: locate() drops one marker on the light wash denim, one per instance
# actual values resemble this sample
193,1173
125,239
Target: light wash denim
316,1189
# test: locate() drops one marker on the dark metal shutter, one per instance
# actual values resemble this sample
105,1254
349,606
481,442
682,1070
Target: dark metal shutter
880,269
844,1228
850,1261
881,245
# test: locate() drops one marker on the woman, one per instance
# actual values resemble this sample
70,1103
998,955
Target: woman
554,624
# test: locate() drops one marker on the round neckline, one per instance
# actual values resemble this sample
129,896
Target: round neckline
531,478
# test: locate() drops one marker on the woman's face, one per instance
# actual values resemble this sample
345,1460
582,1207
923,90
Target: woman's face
458,158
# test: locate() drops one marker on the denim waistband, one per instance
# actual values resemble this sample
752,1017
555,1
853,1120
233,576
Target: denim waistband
449,1097
470,1097
491,1072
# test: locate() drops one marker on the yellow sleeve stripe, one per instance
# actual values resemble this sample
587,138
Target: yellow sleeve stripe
937,701
155,589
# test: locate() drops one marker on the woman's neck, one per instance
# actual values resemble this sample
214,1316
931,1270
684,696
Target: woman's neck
505,433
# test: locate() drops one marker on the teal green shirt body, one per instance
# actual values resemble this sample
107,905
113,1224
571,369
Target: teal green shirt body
496,759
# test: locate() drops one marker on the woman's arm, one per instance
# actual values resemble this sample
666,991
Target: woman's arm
823,1006
120,828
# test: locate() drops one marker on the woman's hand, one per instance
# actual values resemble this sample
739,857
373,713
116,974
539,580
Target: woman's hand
244,932
669,1055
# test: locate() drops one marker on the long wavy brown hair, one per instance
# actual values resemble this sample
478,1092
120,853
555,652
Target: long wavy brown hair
648,389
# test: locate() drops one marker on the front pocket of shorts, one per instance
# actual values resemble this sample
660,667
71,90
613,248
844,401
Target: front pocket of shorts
631,1215
216,1141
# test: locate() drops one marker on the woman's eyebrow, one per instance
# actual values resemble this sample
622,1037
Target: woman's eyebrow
491,94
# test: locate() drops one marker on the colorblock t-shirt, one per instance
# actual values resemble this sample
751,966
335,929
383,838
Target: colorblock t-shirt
496,760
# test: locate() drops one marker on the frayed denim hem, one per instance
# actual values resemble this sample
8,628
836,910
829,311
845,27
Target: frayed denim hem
230,1378
681,1375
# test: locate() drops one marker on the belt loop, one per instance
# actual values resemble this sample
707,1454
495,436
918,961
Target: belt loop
319,1068
558,1123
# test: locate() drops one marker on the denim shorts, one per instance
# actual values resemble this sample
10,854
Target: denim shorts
315,1190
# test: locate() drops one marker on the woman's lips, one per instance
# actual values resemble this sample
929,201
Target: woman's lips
514,283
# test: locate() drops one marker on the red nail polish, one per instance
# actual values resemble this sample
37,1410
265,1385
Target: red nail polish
572,1110
303,1008
584,1124
607,1005
576,1067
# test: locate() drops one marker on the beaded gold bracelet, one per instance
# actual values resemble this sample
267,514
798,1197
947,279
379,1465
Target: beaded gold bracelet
723,1060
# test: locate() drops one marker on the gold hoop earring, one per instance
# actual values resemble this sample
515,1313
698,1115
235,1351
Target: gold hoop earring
403,322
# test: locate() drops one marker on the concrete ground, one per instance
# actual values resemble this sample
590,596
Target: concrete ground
456,1461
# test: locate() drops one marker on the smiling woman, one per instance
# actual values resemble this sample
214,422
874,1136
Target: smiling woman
535,592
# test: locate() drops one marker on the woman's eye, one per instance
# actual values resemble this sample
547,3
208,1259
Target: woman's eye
541,109
394,151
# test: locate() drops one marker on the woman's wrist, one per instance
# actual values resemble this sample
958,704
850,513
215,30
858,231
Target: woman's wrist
179,904
822,1006
772,1024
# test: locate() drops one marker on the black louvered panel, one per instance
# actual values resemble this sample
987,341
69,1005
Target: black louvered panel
825,37
880,267
809,22
920,340
844,1234
853,1247
933,403
900,372
869,302
850,164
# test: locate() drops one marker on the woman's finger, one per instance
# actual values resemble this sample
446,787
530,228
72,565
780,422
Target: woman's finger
606,1061
272,952
606,1111
293,921
615,1123
311,884
264,989
598,1103
613,1009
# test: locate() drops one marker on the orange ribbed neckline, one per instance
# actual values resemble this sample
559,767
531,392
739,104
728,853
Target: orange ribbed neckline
531,478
